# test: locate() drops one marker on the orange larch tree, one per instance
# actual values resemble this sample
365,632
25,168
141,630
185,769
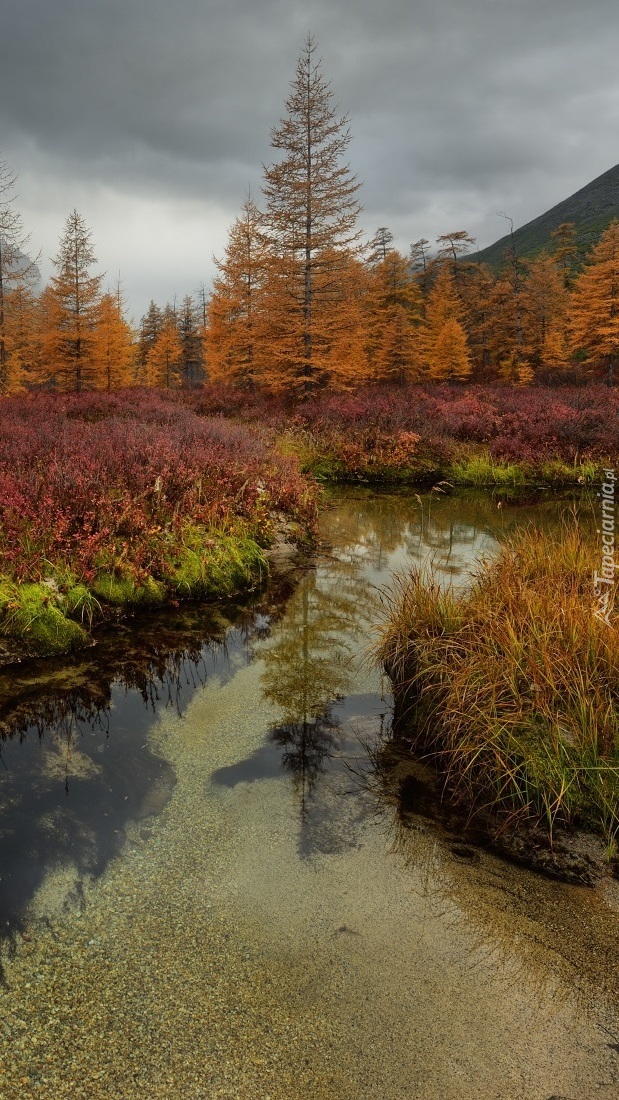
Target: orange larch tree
114,350
443,338
594,307
310,218
544,312
164,359
20,338
235,329
394,307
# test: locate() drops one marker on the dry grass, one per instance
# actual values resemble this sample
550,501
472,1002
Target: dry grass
513,686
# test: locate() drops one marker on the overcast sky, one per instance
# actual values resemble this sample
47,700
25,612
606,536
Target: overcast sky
152,117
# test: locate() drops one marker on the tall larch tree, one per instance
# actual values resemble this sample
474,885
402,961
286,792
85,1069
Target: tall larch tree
17,273
76,293
114,349
237,337
594,319
444,342
311,215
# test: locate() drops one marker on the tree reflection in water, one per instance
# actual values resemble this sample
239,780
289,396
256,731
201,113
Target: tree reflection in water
310,664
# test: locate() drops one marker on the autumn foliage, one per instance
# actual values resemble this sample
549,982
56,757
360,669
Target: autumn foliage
301,305
107,481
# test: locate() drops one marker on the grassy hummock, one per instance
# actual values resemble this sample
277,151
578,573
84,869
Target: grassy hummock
512,688
52,616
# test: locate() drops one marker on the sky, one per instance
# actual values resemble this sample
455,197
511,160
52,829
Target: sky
153,118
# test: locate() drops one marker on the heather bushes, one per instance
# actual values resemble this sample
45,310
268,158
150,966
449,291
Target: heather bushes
135,498
412,433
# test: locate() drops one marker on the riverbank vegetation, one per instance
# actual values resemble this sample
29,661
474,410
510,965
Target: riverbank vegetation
511,689
110,501
482,436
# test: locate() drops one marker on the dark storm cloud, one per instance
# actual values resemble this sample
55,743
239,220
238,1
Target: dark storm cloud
458,107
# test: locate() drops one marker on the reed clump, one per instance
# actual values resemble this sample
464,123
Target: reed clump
512,687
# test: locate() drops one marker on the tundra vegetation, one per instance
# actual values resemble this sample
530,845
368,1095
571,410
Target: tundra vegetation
155,462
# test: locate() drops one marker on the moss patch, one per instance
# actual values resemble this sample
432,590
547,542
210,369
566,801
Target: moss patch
31,614
122,591
208,564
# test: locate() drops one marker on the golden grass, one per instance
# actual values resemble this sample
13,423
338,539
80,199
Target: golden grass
513,686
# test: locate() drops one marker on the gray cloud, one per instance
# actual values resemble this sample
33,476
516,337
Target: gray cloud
160,114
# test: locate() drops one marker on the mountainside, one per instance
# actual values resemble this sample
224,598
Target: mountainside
591,209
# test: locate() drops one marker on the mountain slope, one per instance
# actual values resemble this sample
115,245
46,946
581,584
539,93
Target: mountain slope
591,208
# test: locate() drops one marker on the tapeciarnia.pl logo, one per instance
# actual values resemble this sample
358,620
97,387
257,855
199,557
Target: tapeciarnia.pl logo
604,581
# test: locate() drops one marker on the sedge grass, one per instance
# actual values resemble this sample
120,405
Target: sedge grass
513,686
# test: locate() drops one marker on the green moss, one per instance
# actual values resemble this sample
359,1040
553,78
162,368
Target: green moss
121,591
30,614
79,603
210,564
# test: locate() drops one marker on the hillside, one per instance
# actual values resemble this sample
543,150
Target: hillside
591,209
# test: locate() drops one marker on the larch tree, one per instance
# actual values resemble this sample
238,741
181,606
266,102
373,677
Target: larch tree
452,247
164,359
17,272
594,312
394,308
476,290
515,282
380,245
114,351
20,338
236,332
444,342
311,215
565,253
545,305
76,293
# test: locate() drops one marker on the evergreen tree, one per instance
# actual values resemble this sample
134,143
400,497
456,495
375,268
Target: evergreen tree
189,330
150,327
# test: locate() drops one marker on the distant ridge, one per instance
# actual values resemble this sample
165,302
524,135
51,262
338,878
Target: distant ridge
591,208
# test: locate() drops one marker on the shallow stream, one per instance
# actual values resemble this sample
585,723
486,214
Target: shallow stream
206,892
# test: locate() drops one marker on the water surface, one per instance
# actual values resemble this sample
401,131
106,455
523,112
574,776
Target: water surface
204,893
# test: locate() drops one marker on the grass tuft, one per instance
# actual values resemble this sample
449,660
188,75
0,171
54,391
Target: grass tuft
513,687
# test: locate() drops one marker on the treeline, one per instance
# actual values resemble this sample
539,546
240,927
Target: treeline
301,303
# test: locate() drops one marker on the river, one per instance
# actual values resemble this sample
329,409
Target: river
207,892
